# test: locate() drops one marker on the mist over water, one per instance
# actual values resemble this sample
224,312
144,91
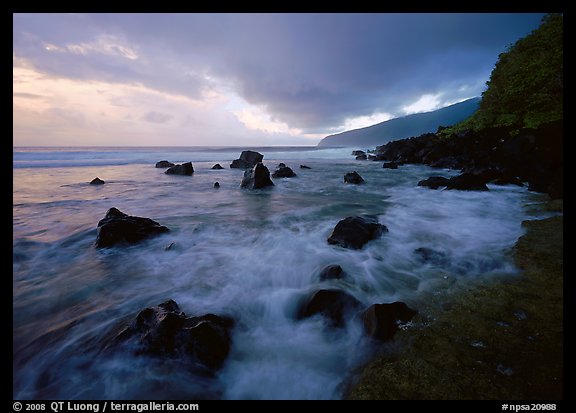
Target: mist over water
252,255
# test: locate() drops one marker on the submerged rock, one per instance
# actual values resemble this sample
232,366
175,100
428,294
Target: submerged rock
429,255
332,304
381,320
248,159
331,272
304,167
354,232
184,169
353,178
361,157
434,182
283,172
257,177
390,165
97,181
165,331
217,166
164,164
117,228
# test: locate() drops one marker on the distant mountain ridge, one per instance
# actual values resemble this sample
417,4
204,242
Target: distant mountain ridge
404,127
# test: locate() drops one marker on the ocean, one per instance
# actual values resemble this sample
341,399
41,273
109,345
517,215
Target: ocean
252,254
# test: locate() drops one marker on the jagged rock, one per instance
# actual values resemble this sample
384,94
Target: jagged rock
217,166
283,172
353,178
390,165
361,157
434,182
97,181
165,331
381,320
184,169
248,159
358,152
257,177
467,182
281,165
333,304
354,232
117,228
164,164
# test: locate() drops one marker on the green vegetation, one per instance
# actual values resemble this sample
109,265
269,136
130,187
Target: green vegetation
525,89
498,341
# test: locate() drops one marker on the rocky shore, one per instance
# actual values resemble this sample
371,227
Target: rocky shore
501,341
501,155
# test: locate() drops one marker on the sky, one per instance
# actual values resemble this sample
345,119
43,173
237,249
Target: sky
242,79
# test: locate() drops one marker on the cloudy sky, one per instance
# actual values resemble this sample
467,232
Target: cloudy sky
242,79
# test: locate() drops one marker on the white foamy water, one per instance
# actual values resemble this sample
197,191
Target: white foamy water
248,254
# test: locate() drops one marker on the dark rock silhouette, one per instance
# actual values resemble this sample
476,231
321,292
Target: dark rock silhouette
164,164
334,305
97,181
353,178
381,320
184,169
354,232
165,331
117,228
248,159
257,177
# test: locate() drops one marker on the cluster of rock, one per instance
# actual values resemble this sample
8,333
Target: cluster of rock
380,321
494,155
166,331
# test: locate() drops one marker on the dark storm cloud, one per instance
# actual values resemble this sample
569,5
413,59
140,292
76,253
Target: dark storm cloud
311,71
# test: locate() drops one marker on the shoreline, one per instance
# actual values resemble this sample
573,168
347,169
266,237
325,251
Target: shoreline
500,341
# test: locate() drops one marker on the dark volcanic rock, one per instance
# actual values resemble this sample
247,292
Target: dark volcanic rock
331,272
434,182
247,160
362,157
304,167
334,305
257,177
390,165
184,169
281,165
97,181
358,153
164,164
283,172
353,178
165,331
217,166
118,228
381,320
216,184
354,232
432,256
467,182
